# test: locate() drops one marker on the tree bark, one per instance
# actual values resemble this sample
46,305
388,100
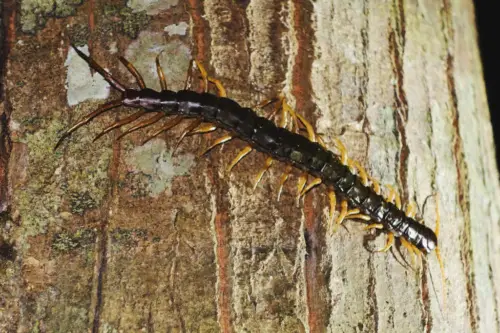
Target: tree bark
117,237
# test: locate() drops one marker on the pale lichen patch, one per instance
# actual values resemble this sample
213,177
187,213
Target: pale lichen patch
156,161
81,83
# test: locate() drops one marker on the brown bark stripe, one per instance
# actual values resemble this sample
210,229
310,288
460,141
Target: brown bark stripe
199,28
302,90
202,53
8,36
222,255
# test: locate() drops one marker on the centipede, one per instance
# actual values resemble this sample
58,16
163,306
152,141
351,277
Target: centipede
283,136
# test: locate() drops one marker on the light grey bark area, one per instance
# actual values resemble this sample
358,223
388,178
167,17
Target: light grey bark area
115,236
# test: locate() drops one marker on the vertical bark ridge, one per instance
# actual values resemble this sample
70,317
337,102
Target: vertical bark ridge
462,172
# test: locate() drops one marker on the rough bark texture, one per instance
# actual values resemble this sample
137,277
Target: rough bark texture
118,237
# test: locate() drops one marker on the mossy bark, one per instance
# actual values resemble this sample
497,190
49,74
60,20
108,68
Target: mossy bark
117,237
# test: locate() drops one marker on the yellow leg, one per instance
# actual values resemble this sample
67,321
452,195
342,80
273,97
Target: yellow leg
388,244
221,91
361,172
301,183
321,141
333,206
203,128
418,254
161,75
374,226
342,150
411,210
392,194
283,179
217,142
360,217
375,185
313,183
267,165
343,212
409,247
244,152
203,73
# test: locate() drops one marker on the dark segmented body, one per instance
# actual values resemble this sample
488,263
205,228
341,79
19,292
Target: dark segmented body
263,135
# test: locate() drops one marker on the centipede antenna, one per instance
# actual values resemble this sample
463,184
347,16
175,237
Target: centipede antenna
195,123
142,124
437,250
161,75
103,108
120,123
172,122
436,294
93,64
131,68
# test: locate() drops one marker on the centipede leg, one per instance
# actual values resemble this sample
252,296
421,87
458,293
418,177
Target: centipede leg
103,108
244,152
343,212
195,123
333,205
267,165
221,91
165,127
142,124
301,183
375,185
388,244
342,150
203,128
217,142
120,123
203,73
313,183
133,71
410,249
374,226
394,197
410,210
161,75
283,179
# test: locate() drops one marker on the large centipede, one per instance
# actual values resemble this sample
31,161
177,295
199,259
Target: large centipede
360,195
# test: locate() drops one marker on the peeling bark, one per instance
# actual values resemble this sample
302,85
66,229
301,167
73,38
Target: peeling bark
118,237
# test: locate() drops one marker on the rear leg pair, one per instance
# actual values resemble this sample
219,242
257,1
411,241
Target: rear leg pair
115,103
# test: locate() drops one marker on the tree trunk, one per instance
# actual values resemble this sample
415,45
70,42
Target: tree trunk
113,236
